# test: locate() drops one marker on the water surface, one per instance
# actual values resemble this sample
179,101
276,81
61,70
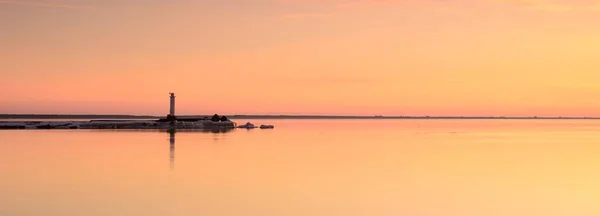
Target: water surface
308,167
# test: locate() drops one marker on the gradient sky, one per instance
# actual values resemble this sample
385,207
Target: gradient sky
358,57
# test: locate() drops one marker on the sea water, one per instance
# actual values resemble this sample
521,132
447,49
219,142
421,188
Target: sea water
308,167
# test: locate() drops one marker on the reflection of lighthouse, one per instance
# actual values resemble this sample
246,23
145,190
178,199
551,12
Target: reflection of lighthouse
171,148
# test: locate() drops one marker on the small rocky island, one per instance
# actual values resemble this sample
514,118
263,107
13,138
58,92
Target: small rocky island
170,122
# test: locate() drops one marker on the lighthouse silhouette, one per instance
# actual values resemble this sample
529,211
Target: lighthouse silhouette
171,115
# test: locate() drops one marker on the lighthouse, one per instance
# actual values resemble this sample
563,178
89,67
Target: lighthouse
172,107
171,116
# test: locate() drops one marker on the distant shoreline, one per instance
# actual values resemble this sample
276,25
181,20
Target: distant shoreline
93,116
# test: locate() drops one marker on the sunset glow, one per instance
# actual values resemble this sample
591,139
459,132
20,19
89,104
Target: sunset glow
338,57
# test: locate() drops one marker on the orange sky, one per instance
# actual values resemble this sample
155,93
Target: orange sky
357,57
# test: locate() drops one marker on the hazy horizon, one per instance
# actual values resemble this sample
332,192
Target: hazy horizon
334,57
20,115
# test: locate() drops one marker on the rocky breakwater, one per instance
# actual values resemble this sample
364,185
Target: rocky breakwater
118,124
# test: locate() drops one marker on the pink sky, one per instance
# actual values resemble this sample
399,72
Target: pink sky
346,57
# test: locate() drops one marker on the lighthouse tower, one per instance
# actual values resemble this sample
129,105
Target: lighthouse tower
171,116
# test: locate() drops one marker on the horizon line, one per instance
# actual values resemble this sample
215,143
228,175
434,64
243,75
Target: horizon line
7,115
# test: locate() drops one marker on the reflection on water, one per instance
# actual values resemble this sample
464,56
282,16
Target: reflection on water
171,148
172,139
306,167
171,133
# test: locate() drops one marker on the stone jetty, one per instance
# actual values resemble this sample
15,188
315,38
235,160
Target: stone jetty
170,122
117,124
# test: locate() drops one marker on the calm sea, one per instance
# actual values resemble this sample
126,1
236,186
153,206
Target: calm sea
308,167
